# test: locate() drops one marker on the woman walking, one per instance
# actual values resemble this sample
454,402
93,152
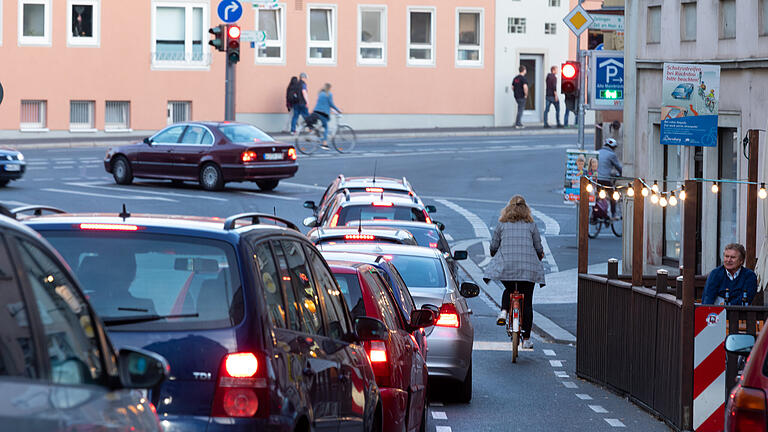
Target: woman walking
517,253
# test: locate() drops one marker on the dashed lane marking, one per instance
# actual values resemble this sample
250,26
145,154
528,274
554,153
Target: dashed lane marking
119,197
598,409
481,229
266,195
615,422
570,384
442,429
556,363
448,237
146,192
583,396
439,415
549,352
491,346
561,374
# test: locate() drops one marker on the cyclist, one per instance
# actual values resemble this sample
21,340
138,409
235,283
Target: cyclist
322,110
608,167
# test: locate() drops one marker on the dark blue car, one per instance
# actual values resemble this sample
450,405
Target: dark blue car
247,313
12,165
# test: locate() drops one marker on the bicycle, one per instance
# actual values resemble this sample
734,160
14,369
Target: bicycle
309,138
514,327
600,216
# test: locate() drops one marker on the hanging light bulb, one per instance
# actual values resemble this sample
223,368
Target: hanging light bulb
590,188
644,191
616,195
762,193
682,193
654,198
672,199
715,188
663,201
655,187
630,192
601,194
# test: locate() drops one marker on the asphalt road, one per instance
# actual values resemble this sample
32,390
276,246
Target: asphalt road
469,180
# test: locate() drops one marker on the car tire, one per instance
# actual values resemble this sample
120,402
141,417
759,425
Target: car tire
121,171
464,394
424,415
211,178
267,185
3,183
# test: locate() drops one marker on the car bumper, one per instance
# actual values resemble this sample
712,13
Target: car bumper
449,353
5,174
277,170
228,424
394,404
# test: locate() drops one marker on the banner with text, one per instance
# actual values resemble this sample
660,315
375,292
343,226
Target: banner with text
690,104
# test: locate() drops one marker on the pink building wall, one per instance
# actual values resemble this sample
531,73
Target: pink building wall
588,5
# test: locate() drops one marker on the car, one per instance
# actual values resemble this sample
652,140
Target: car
429,281
747,405
350,234
683,91
399,366
211,153
347,206
58,369
245,309
12,165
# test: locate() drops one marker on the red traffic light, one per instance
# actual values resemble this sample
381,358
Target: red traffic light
233,32
569,70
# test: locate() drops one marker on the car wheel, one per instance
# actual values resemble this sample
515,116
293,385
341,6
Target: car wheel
4,182
121,171
424,415
210,177
465,387
267,185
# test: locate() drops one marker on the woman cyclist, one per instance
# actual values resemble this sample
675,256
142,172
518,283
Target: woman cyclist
323,110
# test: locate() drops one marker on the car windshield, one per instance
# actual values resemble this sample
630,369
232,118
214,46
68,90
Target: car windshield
369,212
420,272
240,133
140,281
427,237
350,288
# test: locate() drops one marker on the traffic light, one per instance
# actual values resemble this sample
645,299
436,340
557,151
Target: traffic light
219,37
569,78
233,44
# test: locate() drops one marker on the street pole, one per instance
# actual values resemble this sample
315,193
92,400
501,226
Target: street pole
229,92
580,96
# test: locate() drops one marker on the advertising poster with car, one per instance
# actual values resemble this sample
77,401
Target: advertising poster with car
578,163
689,104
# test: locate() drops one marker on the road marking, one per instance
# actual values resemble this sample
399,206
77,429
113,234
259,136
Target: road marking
570,384
63,167
549,352
491,346
496,201
442,429
265,195
128,197
561,374
439,415
583,396
615,422
598,409
436,404
548,255
420,153
448,237
480,228
314,187
124,189
552,227
556,363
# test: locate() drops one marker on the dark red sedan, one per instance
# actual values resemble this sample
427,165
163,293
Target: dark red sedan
207,152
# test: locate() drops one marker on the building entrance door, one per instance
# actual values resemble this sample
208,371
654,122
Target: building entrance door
534,106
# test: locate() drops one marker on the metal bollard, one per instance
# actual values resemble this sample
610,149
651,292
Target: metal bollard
679,288
613,268
661,281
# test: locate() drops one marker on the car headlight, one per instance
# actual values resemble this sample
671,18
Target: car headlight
20,157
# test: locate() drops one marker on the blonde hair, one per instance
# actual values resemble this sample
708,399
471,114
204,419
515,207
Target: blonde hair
516,210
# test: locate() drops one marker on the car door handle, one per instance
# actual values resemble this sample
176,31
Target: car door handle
469,311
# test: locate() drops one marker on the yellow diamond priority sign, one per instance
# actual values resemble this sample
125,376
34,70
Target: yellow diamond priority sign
578,20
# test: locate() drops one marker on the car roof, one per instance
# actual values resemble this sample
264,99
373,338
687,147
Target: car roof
343,255
392,223
357,198
386,232
382,182
382,248
342,266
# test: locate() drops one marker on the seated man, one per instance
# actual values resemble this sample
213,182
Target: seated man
731,283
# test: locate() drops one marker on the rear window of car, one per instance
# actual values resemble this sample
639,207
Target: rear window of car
420,272
369,212
244,134
349,284
192,283
427,237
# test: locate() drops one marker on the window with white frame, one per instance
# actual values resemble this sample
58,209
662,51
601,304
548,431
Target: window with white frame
515,25
469,44
727,19
421,36
372,31
33,114
81,115
321,46
34,22
178,30
179,111
554,3
272,23
83,21
653,30
688,21
117,115
762,7
550,28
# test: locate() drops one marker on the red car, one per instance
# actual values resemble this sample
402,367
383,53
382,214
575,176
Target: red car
747,407
399,367
206,152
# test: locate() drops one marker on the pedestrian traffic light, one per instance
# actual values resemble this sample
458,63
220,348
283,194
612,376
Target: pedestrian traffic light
218,37
233,44
569,78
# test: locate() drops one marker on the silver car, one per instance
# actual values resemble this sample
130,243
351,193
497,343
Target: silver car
430,282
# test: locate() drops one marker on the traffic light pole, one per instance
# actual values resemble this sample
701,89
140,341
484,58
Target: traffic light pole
229,92
580,94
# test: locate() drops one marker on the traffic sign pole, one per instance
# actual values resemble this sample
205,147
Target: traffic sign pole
229,92
580,97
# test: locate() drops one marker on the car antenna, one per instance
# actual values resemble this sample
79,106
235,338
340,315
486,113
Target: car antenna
375,162
124,214
274,210
360,225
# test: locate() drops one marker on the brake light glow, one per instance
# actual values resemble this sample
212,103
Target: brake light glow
378,352
387,257
241,365
334,220
248,156
433,245
377,355
108,227
382,204
359,237
426,217
240,402
747,410
292,153
374,189
242,389
449,316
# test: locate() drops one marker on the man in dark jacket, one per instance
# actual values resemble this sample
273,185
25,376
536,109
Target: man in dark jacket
300,109
551,97
520,90
731,283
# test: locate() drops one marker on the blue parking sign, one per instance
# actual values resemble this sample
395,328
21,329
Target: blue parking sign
606,80
230,10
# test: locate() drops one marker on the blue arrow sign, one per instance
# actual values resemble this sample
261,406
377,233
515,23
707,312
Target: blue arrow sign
230,10
609,78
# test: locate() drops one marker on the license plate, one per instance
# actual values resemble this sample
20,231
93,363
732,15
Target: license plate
13,167
273,156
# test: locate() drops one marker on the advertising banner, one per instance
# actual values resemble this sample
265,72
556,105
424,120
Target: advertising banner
578,163
690,104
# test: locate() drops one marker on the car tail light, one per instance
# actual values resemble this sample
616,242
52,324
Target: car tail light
359,237
249,156
382,204
374,189
335,219
449,316
292,153
241,390
433,245
427,219
746,410
377,355
108,227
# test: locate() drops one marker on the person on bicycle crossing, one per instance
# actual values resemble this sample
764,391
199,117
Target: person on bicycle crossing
608,167
517,253
323,110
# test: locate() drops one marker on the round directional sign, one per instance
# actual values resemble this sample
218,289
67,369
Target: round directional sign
1,93
230,10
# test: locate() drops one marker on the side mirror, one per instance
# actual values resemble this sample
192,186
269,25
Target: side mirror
369,329
148,141
432,308
440,225
739,343
460,255
422,318
430,209
469,289
141,369
310,222
310,205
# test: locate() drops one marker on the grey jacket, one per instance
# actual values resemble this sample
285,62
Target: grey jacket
516,248
608,164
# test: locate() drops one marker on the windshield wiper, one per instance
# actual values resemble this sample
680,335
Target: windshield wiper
116,321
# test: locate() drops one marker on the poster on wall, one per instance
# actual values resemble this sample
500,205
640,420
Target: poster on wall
690,104
578,163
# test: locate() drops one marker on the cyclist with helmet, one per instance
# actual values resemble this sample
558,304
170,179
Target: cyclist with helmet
608,167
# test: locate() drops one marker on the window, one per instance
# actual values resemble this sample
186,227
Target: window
179,111
34,22
727,19
178,31
304,287
321,45
169,135
197,135
688,21
385,303
515,25
422,272
33,114
550,28
17,352
81,115
654,25
291,303
671,214
762,18
338,325
117,115
272,23
554,3
372,46
421,36
270,282
83,22
469,45
727,198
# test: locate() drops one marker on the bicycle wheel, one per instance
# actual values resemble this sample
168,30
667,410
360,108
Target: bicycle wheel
594,227
515,342
345,139
617,224
307,141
